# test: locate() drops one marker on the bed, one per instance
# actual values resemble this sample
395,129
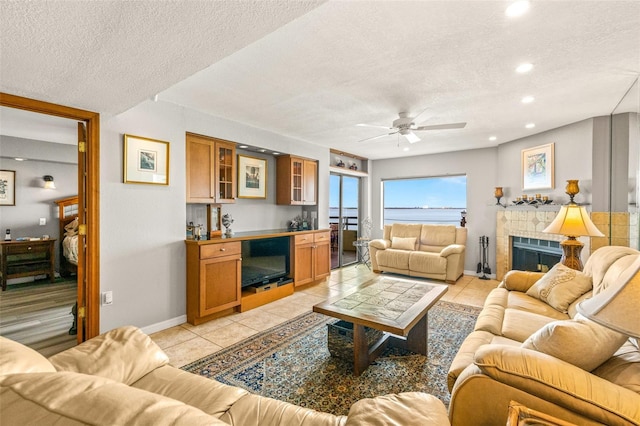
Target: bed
68,218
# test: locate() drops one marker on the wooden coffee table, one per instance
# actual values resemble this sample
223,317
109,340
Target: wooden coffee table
398,307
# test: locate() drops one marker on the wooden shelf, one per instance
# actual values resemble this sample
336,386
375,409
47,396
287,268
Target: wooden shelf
253,300
348,171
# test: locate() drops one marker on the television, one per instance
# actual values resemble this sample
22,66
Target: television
265,260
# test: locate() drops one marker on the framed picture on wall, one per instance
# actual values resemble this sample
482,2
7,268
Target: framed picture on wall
146,160
537,167
7,188
252,177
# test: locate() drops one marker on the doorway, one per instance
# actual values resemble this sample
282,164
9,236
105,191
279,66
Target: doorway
344,218
88,133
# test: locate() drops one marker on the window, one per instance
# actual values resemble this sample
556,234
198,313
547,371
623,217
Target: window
437,200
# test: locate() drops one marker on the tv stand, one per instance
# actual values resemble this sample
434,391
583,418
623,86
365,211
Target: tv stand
214,281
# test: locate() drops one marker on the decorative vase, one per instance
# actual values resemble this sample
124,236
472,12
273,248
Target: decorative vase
227,220
572,188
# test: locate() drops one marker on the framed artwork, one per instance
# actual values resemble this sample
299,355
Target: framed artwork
252,177
537,167
146,160
7,188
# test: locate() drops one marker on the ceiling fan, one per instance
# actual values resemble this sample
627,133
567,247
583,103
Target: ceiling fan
405,126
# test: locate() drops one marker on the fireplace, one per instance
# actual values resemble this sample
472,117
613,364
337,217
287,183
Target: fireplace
533,254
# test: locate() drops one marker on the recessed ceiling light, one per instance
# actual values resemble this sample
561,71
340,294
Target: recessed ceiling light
19,159
528,99
517,8
276,153
243,146
526,67
405,149
492,138
262,150
530,126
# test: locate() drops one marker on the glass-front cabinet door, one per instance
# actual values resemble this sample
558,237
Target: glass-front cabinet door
226,172
296,180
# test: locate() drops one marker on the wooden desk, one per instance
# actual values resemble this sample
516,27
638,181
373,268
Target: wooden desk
26,259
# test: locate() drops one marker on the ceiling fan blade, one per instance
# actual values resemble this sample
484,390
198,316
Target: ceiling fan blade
377,137
441,126
415,117
411,137
373,125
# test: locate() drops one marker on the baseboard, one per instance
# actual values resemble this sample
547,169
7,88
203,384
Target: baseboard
159,326
476,274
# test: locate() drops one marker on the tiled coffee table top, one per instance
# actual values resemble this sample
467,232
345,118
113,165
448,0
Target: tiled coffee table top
384,303
388,298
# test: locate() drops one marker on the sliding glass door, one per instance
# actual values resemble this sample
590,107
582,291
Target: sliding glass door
344,218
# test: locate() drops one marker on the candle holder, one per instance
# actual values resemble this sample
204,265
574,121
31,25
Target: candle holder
498,193
572,189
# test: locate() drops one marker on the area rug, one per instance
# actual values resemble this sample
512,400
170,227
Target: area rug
291,362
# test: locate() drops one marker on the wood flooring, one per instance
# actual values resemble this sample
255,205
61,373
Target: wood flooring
39,315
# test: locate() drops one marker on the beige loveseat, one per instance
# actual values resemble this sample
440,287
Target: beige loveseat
123,378
494,366
427,251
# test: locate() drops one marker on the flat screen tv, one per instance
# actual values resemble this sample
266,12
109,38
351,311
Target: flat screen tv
264,260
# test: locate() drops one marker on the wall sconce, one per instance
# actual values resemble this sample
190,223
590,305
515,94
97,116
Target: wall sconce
463,221
499,194
48,182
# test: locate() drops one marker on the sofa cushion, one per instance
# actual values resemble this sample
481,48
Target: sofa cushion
520,325
397,259
124,354
17,358
408,408
578,341
524,302
427,263
623,368
405,230
403,243
208,395
560,287
437,235
72,398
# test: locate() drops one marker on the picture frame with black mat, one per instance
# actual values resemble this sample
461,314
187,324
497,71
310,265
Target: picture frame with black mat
252,177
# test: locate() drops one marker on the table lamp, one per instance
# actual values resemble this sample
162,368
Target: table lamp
572,221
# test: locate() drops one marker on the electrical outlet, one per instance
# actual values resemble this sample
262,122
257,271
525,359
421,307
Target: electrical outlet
43,221
107,298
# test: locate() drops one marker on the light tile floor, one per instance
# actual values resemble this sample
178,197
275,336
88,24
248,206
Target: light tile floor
187,343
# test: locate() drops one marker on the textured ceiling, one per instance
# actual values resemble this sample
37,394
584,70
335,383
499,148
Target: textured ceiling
313,70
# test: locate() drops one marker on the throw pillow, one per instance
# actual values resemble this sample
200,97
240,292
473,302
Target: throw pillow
560,287
400,243
578,341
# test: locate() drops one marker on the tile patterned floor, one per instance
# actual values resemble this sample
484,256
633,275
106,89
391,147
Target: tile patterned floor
187,343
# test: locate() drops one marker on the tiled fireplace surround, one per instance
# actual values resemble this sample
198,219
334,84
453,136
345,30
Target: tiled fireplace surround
529,223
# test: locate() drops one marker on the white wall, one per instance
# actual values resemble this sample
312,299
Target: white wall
573,160
142,227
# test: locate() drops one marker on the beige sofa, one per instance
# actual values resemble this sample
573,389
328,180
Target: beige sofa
494,366
427,251
123,378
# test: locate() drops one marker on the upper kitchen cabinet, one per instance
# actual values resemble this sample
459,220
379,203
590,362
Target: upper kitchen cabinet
211,170
297,181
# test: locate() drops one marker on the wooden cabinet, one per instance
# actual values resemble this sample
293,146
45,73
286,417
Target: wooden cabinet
311,257
211,170
213,279
297,181
26,259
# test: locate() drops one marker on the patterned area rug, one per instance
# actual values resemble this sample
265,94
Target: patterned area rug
291,362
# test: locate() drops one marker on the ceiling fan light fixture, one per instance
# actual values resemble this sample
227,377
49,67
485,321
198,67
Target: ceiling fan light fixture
517,8
411,137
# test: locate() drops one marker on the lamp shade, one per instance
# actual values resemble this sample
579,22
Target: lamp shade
573,221
48,182
616,307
